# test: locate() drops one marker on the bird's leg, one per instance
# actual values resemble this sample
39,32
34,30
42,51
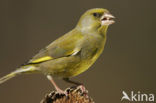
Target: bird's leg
80,85
54,84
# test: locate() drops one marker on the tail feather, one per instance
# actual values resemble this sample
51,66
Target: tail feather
7,77
24,69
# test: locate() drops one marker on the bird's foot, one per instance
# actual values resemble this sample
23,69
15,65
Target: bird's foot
83,89
80,88
59,91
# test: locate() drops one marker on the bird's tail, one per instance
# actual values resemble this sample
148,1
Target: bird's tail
21,70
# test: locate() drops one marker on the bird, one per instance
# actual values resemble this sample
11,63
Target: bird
73,53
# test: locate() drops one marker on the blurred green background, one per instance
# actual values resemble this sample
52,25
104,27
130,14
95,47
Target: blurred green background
127,63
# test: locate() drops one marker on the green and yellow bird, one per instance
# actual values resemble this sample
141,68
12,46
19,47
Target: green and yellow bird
74,52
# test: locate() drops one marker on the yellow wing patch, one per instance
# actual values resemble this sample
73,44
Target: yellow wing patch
42,59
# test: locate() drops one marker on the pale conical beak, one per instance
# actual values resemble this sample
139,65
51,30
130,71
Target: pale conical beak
107,19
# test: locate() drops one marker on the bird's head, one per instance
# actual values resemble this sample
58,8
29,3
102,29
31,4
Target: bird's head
95,20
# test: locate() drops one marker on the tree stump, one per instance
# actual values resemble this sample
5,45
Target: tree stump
73,95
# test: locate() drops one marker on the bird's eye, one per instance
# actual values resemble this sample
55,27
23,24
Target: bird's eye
96,14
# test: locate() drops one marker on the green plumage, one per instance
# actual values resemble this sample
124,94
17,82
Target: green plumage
88,47
74,52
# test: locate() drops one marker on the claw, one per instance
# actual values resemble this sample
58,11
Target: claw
62,92
83,89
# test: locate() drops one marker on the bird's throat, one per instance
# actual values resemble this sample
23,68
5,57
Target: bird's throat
103,30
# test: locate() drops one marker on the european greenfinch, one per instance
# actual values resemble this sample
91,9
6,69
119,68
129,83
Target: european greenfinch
74,52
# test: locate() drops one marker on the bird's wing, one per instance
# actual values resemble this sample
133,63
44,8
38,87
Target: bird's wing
64,46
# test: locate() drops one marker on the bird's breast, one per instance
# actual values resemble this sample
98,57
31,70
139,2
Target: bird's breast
92,47
91,50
